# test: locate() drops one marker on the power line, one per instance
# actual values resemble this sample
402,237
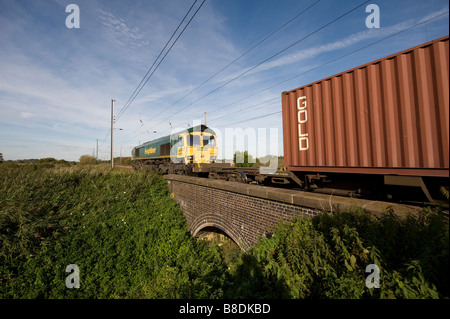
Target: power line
267,59
140,87
258,117
128,101
238,58
246,109
319,66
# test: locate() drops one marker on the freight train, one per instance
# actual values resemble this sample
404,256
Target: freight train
378,130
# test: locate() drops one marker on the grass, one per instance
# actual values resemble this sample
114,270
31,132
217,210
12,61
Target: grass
130,240
122,229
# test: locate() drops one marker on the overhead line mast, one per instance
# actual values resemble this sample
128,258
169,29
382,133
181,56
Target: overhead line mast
112,133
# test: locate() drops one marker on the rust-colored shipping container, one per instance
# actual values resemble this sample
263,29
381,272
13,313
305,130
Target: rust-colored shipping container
390,116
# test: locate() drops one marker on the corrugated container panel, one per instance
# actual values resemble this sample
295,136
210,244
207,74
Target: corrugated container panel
390,116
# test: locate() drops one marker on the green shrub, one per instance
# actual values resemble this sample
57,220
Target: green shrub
445,191
87,159
243,159
122,229
420,240
326,257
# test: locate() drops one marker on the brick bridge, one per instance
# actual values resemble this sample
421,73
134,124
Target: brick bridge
245,212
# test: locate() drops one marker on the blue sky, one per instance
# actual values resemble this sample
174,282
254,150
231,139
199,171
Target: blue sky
56,83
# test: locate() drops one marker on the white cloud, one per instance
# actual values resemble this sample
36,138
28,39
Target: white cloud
118,31
26,115
343,43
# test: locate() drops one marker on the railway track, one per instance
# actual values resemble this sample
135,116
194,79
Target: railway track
286,180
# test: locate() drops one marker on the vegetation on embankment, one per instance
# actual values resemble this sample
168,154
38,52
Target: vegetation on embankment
122,229
327,256
130,240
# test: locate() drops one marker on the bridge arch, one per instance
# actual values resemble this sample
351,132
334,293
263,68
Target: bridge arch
209,221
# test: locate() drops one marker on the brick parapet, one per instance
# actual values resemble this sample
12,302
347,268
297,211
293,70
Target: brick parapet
245,212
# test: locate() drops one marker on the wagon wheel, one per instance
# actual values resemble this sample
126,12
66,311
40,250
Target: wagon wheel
239,177
213,175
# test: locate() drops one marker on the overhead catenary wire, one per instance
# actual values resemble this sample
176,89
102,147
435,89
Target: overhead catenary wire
167,43
246,109
257,117
266,60
324,64
319,66
147,76
239,57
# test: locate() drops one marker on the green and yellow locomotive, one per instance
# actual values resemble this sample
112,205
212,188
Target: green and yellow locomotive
177,153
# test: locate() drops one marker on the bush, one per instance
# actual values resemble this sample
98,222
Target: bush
326,257
243,159
123,230
47,160
87,159
421,240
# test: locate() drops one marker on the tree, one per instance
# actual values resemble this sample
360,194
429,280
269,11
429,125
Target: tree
445,191
47,160
88,159
1,158
243,159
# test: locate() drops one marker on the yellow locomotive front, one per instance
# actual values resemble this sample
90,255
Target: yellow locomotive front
197,146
